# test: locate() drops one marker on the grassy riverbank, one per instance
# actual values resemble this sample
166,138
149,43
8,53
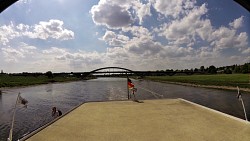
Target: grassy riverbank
219,80
16,81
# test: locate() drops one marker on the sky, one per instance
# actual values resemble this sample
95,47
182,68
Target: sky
83,35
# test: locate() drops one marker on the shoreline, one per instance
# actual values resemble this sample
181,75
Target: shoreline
204,86
37,83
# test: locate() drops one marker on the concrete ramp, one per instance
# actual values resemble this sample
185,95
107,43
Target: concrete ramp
152,120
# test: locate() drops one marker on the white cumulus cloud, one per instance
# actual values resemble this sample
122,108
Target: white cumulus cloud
173,8
12,54
52,29
112,16
237,23
113,39
8,32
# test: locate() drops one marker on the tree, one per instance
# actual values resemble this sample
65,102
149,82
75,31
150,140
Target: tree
202,68
246,68
49,74
227,71
212,69
237,69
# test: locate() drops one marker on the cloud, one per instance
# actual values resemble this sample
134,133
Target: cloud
54,50
237,23
27,49
11,54
184,30
113,39
8,32
191,28
15,54
246,51
73,58
141,43
142,10
112,16
44,30
51,29
138,31
175,51
143,46
117,53
53,58
223,38
173,8
119,13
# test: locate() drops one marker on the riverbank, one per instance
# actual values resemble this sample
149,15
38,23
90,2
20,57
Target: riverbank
219,81
7,81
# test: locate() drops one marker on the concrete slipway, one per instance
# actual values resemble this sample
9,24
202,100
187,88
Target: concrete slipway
152,120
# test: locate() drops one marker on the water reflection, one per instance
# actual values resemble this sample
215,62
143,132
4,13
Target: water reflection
66,96
220,100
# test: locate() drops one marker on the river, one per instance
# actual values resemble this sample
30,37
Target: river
66,96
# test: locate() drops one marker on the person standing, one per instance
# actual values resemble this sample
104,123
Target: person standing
132,88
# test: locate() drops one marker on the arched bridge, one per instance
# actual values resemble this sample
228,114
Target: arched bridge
98,71
93,71
119,71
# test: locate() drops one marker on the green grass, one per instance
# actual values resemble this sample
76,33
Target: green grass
233,80
14,81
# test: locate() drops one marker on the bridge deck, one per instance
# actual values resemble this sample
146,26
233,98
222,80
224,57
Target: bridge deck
160,120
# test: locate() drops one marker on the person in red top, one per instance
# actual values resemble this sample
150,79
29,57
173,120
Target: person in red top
132,88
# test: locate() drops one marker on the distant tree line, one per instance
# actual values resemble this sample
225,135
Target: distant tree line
235,69
245,68
48,74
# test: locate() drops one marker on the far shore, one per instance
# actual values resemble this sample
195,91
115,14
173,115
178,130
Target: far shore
215,81
12,82
32,85
205,86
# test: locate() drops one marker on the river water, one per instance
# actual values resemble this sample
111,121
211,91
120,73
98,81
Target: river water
66,96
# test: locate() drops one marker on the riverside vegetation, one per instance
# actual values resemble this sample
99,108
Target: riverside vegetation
26,79
227,80
15,81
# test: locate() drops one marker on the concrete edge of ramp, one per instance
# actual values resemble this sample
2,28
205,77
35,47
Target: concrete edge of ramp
223,115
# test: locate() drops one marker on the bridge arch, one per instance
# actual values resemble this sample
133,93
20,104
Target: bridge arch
111,68
93,71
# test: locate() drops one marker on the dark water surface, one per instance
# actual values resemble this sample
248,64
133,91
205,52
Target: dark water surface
66,96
